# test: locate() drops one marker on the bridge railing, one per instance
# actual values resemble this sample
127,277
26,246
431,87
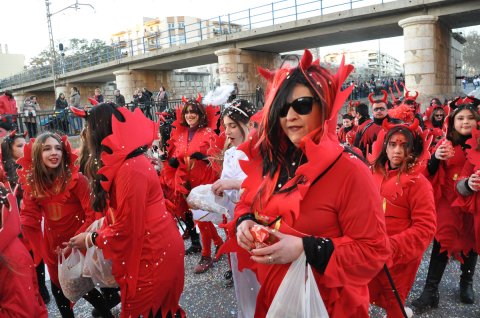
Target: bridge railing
265,15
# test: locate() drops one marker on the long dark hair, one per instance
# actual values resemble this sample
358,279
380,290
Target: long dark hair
99,126
197,108
412,150
9,164
453,135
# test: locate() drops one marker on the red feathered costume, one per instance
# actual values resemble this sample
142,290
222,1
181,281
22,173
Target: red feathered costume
332,206
66,214
192,172
410,219
471,203
19,296
139,235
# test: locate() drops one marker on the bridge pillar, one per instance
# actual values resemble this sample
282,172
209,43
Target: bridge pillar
20,99
125,83
431,56
240,66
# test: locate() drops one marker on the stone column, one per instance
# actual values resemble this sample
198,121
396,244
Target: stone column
428,46
125,83
20,99
240,66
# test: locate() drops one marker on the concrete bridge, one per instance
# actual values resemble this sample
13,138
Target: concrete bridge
432,51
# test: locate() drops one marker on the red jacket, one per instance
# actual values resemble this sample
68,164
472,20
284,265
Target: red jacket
19,296
410,219
342,135
342,205
7,105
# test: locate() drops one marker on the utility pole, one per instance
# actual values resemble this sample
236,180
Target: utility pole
53,59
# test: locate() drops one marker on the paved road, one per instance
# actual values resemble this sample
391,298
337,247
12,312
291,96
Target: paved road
205,297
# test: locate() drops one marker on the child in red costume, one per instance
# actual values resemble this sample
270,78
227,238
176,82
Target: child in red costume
19,296
400,155
192,143
455,234
301,182
54,189
138,235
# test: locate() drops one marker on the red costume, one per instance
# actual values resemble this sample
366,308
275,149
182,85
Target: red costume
342,134
454,227
65,214
139,235
190,173
19,296
326,203
8,105
410,219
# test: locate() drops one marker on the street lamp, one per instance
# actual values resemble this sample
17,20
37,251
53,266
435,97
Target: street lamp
53,59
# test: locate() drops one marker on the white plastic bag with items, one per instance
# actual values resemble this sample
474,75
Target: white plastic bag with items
74,285
205,205
298,295
96,266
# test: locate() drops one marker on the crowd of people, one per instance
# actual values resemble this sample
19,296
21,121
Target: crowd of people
357,203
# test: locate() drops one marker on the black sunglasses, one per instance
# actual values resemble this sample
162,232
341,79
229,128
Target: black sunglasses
302,106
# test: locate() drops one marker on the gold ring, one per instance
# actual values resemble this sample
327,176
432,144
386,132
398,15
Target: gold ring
270,259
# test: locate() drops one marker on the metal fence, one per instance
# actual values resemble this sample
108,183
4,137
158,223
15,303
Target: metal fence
253,18
64,122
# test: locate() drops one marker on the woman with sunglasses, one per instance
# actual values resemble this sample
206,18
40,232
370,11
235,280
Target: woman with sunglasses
192,142
305,189
455,234
399,157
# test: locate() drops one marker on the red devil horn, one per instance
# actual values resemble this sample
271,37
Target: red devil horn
306,60
199,98
413,127
266,74
393,95
385,96
398,89
12,133
92,101
350,104
411,97
184,100
25,134
370,98
78,112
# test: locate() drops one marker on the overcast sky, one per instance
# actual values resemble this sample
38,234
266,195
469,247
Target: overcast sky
23,25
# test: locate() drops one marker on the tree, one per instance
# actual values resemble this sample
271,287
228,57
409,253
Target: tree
77,50
471,54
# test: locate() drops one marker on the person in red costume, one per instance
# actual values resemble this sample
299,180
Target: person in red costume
138,234
192,143
8,105
19,295
302,183
400,155
347,126
455,233
468,185
55,190
435,114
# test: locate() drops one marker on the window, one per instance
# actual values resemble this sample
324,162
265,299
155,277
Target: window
181,25
171,26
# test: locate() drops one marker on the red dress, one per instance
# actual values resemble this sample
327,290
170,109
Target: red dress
455,231
410,219
343,205
139,235
19,296
65,214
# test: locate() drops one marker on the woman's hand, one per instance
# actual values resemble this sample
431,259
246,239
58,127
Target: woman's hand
244,237
225,184
78,241
474,181
285,251
442,152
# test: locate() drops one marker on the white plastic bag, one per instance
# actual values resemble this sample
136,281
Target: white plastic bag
96,266
298,295
72,282
205,205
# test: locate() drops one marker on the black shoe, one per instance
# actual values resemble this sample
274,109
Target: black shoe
428,299
466,292
194,249
44,293
111,300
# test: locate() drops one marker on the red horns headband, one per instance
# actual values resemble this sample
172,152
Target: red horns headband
198,100
413,127
384,98
407,93
78,112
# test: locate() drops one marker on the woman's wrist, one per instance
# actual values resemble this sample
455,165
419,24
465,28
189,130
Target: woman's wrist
244,217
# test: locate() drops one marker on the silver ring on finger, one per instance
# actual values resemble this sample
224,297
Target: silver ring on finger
270,259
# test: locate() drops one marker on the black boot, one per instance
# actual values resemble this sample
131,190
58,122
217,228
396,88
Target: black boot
196,247
112,298
40,269
466,279
430,296
63,303
95,298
